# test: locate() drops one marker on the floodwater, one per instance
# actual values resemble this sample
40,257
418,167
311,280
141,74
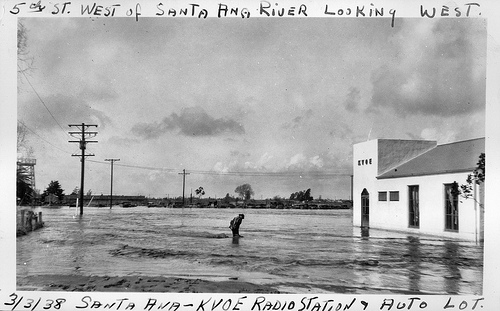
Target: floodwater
295,251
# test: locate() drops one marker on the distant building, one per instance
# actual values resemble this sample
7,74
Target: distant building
104,199
408,185
51,199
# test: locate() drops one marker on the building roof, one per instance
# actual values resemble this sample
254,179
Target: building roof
394,152
454,157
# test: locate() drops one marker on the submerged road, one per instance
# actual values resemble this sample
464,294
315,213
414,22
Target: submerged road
295,251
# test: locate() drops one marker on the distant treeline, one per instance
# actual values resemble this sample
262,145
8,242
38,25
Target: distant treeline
270,203
194,202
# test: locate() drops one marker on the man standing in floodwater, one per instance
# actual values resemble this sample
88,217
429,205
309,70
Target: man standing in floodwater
235,223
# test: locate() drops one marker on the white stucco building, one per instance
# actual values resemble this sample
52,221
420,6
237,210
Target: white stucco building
406,185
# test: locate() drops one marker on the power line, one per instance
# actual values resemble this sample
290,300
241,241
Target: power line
43,139
322,174
241,173
41,100
111,196
183,183
276,174
198,172
82,137
148,167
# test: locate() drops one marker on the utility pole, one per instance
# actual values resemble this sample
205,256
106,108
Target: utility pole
183,184
111,196
82,135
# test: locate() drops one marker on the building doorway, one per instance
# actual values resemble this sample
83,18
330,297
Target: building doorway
414,214
365,209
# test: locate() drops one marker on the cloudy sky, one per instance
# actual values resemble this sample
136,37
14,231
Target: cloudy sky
276,103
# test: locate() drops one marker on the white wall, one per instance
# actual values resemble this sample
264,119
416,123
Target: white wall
365,164
394,215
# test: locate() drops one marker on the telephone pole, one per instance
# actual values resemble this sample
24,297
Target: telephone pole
183,183
111,197
82,135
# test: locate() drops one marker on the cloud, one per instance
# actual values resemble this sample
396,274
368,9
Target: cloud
123,141
97,93
300,161
297,160
268,162
299,120
220,167
352,101
440,135
341,130
237,153
438,69
61,110
191,122
316,161
265,159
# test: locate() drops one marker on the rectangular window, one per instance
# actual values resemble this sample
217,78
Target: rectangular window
451,206
382,196
394,195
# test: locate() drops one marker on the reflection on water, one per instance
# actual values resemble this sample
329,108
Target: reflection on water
301,250
414,255
365,232
76,238
451,253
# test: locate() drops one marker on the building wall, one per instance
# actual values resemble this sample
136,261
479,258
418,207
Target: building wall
394,215
365,167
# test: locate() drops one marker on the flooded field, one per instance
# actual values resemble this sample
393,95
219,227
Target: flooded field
296,251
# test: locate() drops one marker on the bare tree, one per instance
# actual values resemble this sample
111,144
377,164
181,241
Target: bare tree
24,61
25,192
24,64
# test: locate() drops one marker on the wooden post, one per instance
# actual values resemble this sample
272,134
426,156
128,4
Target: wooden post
30,220
23,221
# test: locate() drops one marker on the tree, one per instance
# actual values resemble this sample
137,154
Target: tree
200,192
477,177
307,195
244,191
24,191
21,137
227,198
304,195
55,189
75,191
24,61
